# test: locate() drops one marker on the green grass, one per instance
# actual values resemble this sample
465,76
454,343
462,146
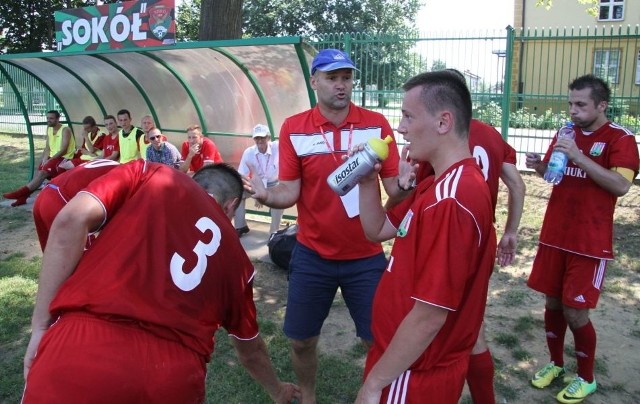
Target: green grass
526,325
225,373
514,315
18,285
507,340
14,160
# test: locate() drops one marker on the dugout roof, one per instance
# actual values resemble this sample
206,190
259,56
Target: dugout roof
227,87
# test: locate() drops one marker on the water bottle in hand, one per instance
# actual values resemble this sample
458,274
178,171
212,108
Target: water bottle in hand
558,160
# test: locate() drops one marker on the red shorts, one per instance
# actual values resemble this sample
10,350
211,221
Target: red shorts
575,278
51,167
441,385
85,359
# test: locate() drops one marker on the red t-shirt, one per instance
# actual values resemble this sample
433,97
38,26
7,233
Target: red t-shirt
443,256
490,151
110,145
167,258
325,226
208,152
579,216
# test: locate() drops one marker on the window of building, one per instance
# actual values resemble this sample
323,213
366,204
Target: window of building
606,63
611,10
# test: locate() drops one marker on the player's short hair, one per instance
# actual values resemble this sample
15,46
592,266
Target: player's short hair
222,181
600,90
124,112
195,128
55,113
110,117
444,90
88,120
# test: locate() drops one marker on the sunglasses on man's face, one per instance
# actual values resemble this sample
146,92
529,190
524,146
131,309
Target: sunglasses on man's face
155,137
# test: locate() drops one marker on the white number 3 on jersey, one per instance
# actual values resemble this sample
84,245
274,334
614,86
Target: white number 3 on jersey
188,281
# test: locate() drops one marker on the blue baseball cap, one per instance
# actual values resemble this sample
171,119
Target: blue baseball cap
331,59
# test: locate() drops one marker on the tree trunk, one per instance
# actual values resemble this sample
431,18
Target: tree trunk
220,19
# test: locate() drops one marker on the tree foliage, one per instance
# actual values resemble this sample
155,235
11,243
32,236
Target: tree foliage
308,18
592,10
378,25
29,25
188,21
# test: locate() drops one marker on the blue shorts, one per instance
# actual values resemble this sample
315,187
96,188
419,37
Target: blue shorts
313,282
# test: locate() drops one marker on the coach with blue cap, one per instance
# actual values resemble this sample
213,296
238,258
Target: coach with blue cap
331,251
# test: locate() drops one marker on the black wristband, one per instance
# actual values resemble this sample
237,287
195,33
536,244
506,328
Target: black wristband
411,186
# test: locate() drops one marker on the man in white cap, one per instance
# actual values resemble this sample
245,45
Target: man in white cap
259,161
331,251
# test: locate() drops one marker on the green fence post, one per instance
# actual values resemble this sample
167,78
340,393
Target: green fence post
347,43
506,96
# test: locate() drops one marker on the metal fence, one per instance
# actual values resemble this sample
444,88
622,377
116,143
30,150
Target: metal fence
518,78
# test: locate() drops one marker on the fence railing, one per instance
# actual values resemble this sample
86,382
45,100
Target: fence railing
518,78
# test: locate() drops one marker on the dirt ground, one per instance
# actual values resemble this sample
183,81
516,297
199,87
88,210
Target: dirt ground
514,315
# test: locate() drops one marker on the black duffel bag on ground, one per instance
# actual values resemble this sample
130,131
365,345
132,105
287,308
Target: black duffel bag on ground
281,244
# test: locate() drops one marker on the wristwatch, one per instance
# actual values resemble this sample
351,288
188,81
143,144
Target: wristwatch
411,187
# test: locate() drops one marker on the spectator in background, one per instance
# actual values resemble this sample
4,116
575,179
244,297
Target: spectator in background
91,147
260,160
129,137
60,145
162,151
198,151
111,142
146,123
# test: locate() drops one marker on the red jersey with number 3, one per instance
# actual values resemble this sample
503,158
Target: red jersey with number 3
443,256
168,258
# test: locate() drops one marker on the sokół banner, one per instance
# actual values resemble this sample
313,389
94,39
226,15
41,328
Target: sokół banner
130,24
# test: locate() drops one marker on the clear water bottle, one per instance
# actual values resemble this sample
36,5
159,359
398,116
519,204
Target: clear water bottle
558,160
344,178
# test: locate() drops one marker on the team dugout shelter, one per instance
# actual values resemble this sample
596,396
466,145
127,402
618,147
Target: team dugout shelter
226,87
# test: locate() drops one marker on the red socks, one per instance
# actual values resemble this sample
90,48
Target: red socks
555,327
585,339
22,192
20,201
480,378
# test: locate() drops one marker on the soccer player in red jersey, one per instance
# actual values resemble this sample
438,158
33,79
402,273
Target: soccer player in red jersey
198,151
497,160
430,301
133,318
576,239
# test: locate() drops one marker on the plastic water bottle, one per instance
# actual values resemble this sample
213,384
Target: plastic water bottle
558,160
344,178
